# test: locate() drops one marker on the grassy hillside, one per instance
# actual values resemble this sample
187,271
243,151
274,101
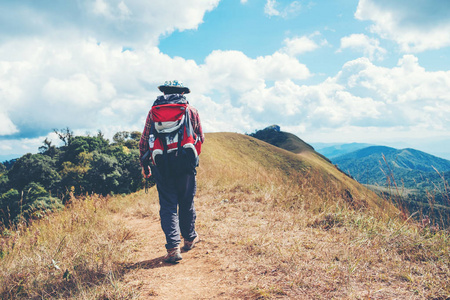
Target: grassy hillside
273,224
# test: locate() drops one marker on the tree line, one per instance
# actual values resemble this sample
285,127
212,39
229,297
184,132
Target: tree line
36,184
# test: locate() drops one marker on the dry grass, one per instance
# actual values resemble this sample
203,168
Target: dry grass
71,254
274,225
315,233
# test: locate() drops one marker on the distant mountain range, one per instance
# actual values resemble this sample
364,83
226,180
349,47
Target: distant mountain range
372,165
380,165
420,177
334,150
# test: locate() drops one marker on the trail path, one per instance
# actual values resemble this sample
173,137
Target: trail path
197,276
253,251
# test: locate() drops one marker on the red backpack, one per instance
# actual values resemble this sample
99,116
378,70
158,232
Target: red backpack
173,143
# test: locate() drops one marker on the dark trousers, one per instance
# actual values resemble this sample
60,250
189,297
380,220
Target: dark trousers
177,212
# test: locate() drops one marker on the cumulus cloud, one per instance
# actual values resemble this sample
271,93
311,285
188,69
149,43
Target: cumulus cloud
299,45
411,95
7,127
234,71
134,22
103,87
415,25
361,42
85,79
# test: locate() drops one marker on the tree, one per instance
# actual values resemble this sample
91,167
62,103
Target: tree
65,135
104,175
33,168
135,136
87,144
9,206
131,179
129,140
48,148
33,202
120,137
72,175
37,202
4,183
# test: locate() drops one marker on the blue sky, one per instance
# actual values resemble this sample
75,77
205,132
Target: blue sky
332,71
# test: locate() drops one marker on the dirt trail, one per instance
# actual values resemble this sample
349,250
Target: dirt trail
196,276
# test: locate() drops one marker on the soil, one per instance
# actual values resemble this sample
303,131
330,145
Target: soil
197,276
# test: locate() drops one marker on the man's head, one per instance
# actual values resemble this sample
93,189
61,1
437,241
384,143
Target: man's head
173,87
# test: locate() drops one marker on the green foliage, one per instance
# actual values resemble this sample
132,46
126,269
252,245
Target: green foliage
9,206
4,183
121,136
104,174
84,164
49,149
131,179
128,139
36,202
65,135
34,168
82,144
33,202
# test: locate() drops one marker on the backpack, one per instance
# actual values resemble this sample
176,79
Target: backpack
174,146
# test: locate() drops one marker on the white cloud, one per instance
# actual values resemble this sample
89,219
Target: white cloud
102,85
100,7
288,11
360,42
407,83
132,22
411,95
78,90
234,71
74,80
299,45
7,127
415,25
269,8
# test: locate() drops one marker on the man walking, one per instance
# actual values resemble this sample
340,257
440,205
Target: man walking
169,149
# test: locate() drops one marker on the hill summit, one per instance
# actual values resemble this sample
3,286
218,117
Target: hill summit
285,140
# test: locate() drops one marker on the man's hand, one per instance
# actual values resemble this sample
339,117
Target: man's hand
146,174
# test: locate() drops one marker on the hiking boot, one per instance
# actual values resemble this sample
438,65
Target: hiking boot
173,255
188,245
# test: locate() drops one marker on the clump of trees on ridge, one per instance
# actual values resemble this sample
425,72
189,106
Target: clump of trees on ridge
36,184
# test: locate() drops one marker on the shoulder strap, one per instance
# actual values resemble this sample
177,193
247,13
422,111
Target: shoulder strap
170,99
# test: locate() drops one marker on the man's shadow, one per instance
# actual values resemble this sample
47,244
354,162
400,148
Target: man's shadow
150,264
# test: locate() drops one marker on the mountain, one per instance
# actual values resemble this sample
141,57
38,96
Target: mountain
410,168
408,173
333,150
284,140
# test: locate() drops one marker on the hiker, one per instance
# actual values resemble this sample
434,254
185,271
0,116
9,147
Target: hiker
169,149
